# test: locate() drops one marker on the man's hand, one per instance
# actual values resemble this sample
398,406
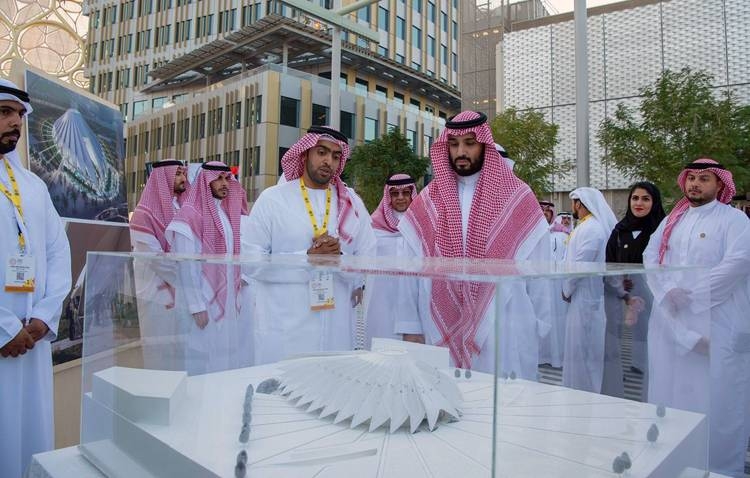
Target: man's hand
703,346
677,299
416,338
627,284
37,329
22,342
325,244
357,295
201,319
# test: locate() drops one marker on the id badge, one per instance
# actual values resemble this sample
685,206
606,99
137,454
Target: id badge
19,274
321,291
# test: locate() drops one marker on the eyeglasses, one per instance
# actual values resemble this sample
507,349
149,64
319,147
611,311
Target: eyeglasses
400,192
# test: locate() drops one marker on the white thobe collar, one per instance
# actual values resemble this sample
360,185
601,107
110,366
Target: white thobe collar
175,203
466,187
703,209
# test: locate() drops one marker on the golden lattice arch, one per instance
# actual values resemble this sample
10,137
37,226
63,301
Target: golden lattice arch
47,34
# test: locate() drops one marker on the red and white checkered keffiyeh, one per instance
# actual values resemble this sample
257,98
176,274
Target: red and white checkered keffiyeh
725,195
155,210
293,165
199,213
384,218
504,212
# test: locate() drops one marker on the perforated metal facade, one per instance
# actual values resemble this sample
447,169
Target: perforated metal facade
629,45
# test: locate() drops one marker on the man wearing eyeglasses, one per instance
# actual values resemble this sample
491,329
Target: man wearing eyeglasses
398,193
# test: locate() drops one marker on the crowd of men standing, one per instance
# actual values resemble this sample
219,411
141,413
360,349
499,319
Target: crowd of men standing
691,339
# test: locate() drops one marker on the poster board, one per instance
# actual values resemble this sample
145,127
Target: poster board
75,144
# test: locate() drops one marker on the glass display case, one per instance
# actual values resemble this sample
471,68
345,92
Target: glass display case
289,366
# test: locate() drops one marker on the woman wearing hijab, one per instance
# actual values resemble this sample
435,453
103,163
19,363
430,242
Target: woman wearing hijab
626,244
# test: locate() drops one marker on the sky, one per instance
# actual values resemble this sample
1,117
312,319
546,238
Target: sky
563,6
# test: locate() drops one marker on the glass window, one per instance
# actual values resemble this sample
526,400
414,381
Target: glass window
431,45
444,21
400,28
400,58
289,114
382,51
158,102
139,107
415,103
411,136
282,151
417,5
381,91
383,19
371,129
416,37
319,115
347,124
431,12
361,85
398,97
364,14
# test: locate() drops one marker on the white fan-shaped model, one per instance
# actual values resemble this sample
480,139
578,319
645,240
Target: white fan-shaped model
387,386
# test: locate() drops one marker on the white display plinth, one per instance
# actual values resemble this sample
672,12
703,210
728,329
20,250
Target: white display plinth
543,430
144,396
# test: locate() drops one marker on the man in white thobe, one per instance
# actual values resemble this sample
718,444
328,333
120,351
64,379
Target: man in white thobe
30,233
311,213
382,310
583,363
155,279
551,347
699,329
476,208
209,223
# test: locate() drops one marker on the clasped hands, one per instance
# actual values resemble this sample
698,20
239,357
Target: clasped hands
25,339
325,244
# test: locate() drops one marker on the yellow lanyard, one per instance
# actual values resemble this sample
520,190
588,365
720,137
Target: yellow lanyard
588,216
15,198
316,231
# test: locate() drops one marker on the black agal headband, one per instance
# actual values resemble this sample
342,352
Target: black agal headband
20,94
481,119
399,182
169,162
216,167
704,166
329,131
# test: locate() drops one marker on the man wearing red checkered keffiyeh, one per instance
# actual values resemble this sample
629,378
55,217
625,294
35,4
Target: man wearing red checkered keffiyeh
208,223
475,208
699,331
311,212
155,279
398,193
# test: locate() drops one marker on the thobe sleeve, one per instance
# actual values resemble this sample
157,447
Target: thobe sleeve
732,271
366,242
586,250
10,325
255,231
143,242
408,320
189,273
660,284
542,291
58,275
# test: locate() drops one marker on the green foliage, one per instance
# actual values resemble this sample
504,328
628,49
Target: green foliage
530,141
371,164
681,118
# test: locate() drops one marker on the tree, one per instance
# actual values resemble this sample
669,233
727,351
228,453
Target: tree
681,118
530,141
371,164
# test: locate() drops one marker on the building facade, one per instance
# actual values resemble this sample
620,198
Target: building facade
630,44
221,79
483,24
